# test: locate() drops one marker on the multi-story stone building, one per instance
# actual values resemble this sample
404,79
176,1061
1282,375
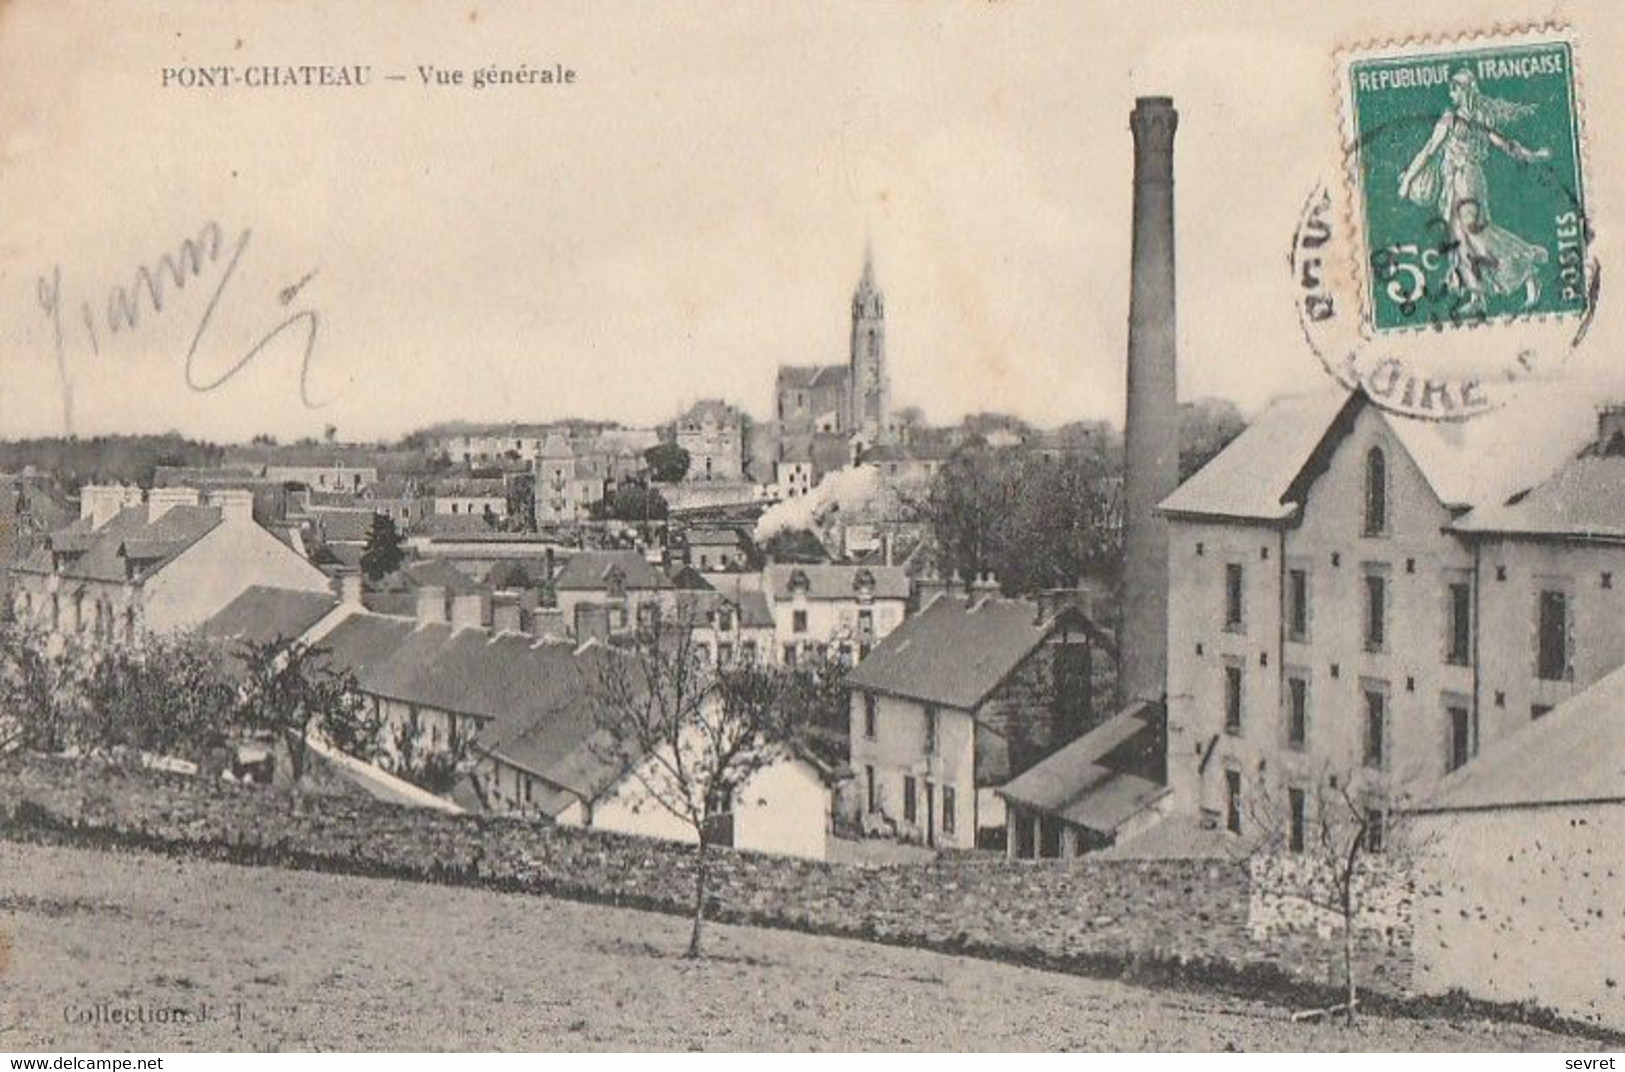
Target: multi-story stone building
841,611
1376,599
713,434
130,566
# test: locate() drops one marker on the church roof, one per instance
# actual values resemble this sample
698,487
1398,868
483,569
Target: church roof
808,377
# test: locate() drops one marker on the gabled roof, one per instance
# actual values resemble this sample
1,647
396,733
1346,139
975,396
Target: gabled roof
1574,753
825,580
710,410
955,652
261,614
1251,477
128,537
590,571
1260,475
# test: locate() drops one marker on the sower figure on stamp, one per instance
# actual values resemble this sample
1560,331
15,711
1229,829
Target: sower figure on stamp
1449,171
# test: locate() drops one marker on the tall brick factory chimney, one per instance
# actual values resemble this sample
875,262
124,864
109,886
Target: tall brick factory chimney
1151,424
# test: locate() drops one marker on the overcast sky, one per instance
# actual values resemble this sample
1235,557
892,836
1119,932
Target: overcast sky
687,216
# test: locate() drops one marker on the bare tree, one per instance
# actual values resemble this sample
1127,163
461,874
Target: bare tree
690,735
1330,842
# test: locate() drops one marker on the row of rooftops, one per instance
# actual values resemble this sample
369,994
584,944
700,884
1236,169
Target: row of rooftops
1549,464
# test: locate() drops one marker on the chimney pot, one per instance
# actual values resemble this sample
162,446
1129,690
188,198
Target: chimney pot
431,604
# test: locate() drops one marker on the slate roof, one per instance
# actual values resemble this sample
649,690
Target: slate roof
712,410
1467,464
806,377
1573,753
587,570
827,580
344,525
127,536
471,487
261,614
1585,499
1099,780
715,537
955,652
754,610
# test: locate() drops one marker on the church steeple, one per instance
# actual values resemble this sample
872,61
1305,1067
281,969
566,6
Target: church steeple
870,384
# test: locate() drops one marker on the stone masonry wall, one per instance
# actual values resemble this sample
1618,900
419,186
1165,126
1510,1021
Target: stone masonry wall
1151,919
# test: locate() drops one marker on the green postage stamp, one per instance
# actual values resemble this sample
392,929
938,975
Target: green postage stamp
1466,166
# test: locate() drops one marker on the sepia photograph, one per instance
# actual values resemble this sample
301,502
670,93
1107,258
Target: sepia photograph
762,526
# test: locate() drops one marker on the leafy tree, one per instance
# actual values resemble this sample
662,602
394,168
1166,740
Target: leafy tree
794,545
521,488
167,696
432,768
37,690
291,690
690,735
668,463
632,501
1036,521
384,550
1206,426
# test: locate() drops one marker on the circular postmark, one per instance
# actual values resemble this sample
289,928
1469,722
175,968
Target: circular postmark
1457,258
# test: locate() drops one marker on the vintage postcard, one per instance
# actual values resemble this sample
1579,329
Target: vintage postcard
959,525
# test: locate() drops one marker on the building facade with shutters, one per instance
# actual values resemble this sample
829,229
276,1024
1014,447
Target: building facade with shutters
1376,600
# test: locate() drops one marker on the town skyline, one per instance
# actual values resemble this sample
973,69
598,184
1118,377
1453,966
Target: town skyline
494,258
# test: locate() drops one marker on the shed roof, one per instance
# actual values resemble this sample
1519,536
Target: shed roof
261,614
1574,753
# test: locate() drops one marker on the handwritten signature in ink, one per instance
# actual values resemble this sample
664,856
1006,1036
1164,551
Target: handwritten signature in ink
150,290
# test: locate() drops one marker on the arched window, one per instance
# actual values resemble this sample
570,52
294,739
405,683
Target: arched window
1376,492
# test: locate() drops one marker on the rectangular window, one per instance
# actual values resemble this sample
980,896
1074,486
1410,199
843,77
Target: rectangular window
1459,621
869,785
930,731
1297,622
1376,611
1461,735
1376,830
1297,814
871,715
1297,712
1232,801
798,621
1376,728
948,820
1553,641
1233,596
1232,699
866,622
910,809
789,655
725,654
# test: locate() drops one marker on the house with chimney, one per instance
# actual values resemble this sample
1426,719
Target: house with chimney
958,700
133,564
603,592
834,610
1383,599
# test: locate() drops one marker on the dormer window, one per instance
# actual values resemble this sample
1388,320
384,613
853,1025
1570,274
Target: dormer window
864,582
1376,492
799,581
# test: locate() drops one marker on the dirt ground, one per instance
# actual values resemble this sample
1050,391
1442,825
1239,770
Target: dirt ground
113,951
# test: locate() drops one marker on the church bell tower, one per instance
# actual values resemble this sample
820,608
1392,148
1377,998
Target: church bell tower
870,384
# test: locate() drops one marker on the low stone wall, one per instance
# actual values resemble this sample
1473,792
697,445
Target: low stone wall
1155,919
